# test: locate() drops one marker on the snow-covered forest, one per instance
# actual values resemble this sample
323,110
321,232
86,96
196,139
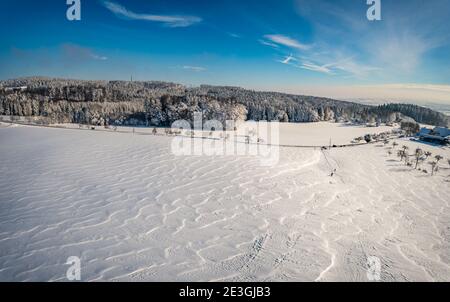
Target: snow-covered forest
161,103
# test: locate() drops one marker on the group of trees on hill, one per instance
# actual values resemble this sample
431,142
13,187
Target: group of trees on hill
160,103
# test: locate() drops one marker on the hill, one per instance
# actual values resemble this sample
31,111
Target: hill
155,103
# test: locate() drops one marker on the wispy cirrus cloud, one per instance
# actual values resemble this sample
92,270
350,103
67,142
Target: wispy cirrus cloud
266,43
354,68
287,41
194,68
168,20
292,61
347,66
288,60
234,35
318,68
399,43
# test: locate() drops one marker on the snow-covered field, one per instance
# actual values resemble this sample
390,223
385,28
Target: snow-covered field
291,134
132,211
320,134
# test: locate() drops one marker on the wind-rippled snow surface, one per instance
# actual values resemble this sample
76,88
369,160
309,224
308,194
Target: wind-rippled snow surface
132,211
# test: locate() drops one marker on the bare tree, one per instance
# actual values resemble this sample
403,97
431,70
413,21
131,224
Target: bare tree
405,154
433,167
401,154
435,164
394,144
448,160
418,156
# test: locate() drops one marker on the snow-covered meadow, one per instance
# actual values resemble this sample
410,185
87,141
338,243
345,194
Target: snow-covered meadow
133,211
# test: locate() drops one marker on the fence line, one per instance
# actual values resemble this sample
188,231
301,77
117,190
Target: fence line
40,123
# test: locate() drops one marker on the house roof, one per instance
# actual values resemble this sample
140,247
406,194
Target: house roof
424,131
441,131
438,132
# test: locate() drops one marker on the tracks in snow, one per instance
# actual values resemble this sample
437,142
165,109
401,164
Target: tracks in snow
132,211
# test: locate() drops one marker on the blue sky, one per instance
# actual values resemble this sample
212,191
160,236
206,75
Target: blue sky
269,45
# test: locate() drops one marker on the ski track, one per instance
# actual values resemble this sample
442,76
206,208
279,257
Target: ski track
132,211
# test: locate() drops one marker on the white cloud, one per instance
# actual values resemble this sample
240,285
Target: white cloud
288,60
194,68
400,43
287,41
263,42
401,51
350,66
170,21
317,63
318,68
233,35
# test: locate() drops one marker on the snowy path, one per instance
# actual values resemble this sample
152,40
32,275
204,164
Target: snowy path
134,212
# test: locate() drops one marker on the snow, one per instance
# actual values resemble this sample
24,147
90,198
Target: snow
320,134
291,134
133,211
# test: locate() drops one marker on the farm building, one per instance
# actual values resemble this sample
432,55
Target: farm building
439,135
